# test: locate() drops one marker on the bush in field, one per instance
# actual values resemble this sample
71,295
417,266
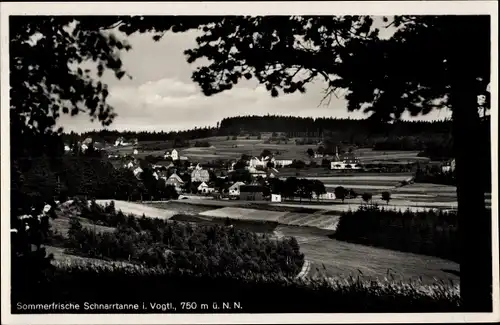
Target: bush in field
433,233
340,193
367,197
352,194
386,196
256,293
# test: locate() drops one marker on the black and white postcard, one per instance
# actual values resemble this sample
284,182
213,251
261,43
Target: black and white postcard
249,162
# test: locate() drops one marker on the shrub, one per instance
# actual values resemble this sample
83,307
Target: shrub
202,144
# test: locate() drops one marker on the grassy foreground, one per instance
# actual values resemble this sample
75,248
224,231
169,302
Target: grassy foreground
255,293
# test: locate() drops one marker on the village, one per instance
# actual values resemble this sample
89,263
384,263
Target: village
256,178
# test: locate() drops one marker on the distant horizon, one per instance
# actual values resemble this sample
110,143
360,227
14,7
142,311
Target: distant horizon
248,115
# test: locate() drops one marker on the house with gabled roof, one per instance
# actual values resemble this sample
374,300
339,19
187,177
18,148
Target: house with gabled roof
199,174
137,172
205,188
175,181
234,190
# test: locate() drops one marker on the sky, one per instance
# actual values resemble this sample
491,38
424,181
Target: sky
162,97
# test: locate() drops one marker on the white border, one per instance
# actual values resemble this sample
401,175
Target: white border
240,8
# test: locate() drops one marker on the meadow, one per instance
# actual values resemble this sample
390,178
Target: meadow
223,148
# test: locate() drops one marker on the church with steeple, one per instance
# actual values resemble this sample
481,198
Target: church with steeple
345,161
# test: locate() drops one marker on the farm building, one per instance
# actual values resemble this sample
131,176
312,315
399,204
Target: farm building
200,175
175,181
136,152
234,190
251,192
345,161
67,148
325,196
205,188
275,197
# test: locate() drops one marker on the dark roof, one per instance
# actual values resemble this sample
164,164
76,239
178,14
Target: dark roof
251,188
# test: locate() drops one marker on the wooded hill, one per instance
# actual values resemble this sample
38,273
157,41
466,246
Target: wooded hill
347,130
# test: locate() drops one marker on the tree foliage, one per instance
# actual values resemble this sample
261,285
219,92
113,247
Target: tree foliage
209,249
425,232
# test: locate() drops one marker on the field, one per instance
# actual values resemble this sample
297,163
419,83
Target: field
222,148
327,257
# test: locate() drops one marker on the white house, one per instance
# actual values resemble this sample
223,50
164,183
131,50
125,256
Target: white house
175,181
155,175
121,142
205,189
129,165
174,154
199,174
234,190
275,197
137,171
325,196
67,148
84,147
136,151
282,162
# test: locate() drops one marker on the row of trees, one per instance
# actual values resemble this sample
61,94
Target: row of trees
110,136
294,187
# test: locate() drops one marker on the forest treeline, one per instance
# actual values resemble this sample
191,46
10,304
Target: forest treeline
292,126
46,179
432,138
